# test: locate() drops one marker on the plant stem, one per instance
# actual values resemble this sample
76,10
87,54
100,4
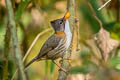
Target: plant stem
15,44
65,64
6,53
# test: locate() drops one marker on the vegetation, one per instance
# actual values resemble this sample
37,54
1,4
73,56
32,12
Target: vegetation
95,48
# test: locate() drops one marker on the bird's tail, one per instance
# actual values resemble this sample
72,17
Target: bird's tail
33,60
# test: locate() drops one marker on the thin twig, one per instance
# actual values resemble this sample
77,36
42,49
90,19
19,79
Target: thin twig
101,26
94,14
104,5
31,46
77,32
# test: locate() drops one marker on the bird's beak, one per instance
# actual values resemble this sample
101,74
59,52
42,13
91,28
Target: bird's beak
67,15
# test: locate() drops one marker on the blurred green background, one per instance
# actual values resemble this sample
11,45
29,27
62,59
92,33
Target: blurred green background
34,16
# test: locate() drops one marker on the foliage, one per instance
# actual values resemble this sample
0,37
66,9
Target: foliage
34,16
99,68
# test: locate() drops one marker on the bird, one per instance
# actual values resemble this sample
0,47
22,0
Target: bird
57,43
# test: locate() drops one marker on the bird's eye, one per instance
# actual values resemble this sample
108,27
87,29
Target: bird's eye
60,22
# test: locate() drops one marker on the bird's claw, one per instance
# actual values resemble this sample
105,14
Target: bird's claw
69,59
64,70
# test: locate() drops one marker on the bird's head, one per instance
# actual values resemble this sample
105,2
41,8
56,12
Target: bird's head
59,24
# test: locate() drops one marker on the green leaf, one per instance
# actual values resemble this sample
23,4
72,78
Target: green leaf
90,66
115,31
47,4
85,54
77,70
46,66
89,18
109,26
21,8
115,36
52,66
98,13
116,27
88,15
114,61
2,33
11,69
86,67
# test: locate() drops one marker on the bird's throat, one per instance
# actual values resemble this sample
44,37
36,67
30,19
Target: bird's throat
60,33
68,34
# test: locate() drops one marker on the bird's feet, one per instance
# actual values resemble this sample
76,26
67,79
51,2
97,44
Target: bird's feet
64,70
69,60
60,67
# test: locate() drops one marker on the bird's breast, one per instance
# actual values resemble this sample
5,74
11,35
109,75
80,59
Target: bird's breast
68,34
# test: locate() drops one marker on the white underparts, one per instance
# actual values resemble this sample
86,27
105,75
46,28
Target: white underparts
68,34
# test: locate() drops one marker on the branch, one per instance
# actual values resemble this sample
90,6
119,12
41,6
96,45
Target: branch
15,44
94,15
75,41
104,5
65,64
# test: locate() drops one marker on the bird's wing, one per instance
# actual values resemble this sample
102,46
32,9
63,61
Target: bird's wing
49,45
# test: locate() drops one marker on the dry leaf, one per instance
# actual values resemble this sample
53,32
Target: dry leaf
105,43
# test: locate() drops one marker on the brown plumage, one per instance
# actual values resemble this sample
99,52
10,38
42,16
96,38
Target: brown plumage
55,46
51,48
